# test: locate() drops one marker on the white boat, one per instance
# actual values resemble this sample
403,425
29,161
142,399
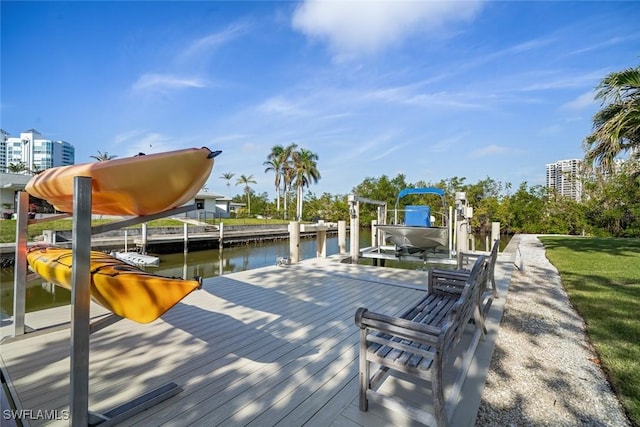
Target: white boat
417,231
139,260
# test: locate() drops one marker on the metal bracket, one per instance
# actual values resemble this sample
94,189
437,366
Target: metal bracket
137,405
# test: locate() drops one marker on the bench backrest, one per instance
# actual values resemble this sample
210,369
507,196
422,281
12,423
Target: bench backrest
491,265
445,282
463,310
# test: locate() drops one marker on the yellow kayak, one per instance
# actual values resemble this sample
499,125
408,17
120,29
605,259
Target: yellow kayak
140,185
119,287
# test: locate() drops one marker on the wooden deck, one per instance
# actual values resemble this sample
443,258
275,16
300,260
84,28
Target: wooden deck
272,346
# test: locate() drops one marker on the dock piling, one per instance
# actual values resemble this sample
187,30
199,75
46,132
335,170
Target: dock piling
186,237
294,241
144,237
495,233
342,237
321,236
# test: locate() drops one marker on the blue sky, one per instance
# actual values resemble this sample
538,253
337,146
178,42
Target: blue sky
429,89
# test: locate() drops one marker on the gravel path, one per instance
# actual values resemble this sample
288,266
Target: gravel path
543,371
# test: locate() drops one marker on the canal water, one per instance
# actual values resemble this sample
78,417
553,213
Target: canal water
208,263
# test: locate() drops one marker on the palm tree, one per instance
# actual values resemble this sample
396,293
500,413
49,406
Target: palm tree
101,157
275,164
228,176
305,172
616,128
17,167
246,180
287,172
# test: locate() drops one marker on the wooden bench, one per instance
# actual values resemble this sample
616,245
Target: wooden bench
488,291
420,343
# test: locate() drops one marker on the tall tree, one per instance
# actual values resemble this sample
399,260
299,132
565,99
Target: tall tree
228,176
305,172
616,128
288,174
275,163
101,157
245,181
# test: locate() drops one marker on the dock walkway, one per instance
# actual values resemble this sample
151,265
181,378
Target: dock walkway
271,346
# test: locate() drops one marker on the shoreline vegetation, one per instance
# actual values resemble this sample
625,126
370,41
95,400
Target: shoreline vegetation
602,278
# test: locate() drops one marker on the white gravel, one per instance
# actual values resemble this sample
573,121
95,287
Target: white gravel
543,371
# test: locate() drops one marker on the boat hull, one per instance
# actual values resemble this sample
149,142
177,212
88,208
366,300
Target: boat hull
119,287
415,238
140,185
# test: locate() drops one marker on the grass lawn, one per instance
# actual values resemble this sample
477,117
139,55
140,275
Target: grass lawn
8,227
602,278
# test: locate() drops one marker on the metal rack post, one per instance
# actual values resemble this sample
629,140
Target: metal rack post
80,300
20,266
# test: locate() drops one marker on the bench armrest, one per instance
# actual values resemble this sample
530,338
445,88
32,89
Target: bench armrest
397,326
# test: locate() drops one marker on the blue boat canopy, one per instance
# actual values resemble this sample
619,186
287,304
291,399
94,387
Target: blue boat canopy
426,190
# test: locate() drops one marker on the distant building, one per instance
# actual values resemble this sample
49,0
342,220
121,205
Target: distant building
3,148
211,205
34,151
564,177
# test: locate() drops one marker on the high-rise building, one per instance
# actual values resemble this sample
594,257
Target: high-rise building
35,152
3,149
564,177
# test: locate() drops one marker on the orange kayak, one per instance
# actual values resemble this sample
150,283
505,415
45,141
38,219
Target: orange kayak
119,287
140,185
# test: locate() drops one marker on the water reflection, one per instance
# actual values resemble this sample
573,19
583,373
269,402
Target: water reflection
205,264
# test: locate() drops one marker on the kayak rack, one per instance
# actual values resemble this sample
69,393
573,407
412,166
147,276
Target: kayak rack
81,326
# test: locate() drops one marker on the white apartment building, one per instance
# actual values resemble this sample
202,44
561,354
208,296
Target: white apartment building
36,152
564,177
3,148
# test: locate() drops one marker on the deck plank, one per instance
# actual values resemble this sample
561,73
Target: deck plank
272,346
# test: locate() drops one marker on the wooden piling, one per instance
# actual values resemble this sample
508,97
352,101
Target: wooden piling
294,241
144,238
495,233
342,237
321,239
186,237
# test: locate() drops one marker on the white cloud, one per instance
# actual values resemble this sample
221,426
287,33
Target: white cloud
551,130
448,143
167,81
606,43
125,137
280,105
410,95
208,43
562,80
487,151
581,102
362,26
387,152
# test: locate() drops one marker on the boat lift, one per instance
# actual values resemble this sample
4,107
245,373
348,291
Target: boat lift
81,326
457,242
